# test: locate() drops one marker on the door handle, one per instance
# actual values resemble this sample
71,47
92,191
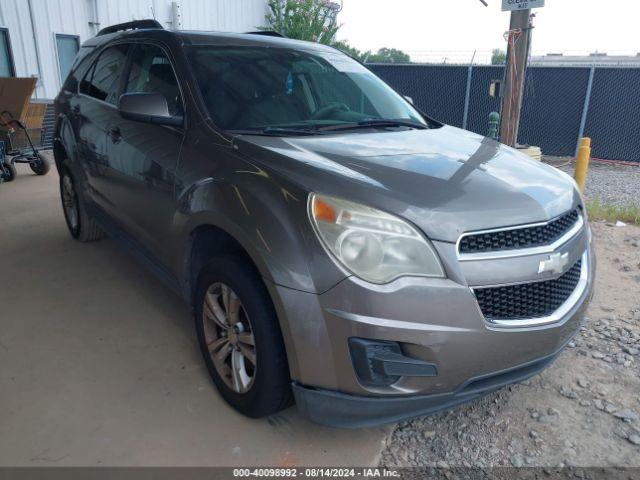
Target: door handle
115,134
75,109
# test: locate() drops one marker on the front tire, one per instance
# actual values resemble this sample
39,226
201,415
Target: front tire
12,173
240,339
81,226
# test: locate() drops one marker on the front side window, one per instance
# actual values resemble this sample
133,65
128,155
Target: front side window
151,71
102,80
257,88
67,46
6,60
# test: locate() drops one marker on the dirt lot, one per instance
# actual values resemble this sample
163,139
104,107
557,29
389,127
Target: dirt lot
582,411
611,183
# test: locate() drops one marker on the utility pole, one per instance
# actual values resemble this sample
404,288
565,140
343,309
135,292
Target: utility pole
518,37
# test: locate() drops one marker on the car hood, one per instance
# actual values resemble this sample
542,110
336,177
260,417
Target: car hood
445,180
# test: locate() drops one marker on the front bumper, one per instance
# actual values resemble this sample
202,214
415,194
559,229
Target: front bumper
434,320
337,409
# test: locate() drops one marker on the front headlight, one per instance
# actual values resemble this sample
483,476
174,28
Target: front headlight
373,245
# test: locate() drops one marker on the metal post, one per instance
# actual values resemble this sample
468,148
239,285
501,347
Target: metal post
467,98
585,109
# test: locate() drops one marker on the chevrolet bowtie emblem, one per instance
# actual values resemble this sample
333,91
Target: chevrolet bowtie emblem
555,263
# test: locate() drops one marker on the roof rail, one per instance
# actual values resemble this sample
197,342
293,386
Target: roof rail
267,33
135,25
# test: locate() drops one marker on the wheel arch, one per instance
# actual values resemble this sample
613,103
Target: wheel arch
63,143
59,155
207,240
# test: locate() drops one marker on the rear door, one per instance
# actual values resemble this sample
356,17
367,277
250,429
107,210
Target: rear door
144,156
95,111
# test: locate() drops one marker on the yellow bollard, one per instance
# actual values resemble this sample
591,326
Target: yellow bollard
582,162
585,142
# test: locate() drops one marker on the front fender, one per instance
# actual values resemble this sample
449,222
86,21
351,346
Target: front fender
268,218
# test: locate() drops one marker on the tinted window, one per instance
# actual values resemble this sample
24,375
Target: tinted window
254,88
79,67
101,81
151,71
6,63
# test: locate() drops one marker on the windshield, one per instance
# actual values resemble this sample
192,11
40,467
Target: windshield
253,88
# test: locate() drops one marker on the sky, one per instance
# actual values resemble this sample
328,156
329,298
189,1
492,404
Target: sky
432,30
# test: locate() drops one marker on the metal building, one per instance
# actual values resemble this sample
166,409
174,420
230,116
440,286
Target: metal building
39,38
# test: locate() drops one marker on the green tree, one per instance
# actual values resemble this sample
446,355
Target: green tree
344,46
310,20
498,57
389,55
316,21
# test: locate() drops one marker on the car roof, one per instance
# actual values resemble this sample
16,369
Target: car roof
210,38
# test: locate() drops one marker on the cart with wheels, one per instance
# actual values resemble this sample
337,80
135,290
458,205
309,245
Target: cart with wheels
18,146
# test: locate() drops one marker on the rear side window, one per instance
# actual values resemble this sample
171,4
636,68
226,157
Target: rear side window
80,64
151,71
102,80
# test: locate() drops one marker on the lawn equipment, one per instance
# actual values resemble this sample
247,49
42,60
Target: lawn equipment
18,148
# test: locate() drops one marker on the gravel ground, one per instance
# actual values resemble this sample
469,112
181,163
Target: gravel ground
611,183
583,411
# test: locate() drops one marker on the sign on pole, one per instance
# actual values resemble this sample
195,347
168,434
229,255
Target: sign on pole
509,5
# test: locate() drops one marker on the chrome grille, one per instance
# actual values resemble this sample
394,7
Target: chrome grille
518,238
528,300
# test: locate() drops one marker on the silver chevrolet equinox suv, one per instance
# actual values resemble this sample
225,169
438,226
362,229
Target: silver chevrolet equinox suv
339,248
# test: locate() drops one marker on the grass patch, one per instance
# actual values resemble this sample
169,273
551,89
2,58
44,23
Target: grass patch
611,213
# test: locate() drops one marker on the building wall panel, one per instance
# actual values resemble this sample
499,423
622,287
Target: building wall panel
53,17
14,15
223,15
76,17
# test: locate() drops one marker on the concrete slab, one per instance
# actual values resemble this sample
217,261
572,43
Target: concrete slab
99,363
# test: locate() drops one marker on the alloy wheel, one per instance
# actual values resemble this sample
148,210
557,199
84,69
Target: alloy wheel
70,201
229,337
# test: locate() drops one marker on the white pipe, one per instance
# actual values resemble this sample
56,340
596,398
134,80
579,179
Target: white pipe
96,17
40,83
175,16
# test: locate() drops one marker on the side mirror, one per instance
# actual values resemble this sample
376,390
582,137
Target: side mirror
148,108
408,99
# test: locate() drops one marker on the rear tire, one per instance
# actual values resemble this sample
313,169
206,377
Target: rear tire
81,225
40,166
261,388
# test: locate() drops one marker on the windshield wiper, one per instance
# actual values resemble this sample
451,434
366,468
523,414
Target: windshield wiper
374,123
290,131
278,131
316,130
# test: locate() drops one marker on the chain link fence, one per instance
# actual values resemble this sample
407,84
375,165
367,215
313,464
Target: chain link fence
560,104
